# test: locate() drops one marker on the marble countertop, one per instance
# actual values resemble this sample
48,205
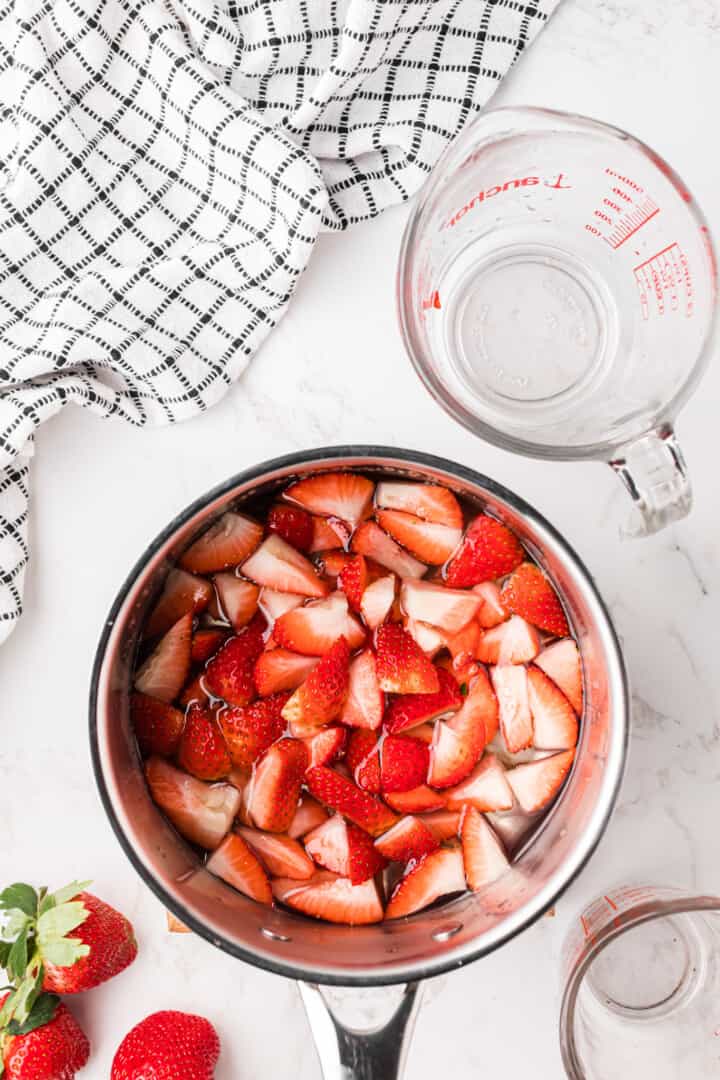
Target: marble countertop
334,371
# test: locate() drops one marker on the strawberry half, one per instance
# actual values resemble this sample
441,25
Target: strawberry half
489,550
345,849
365,701
276,785
321,697
427,501
511,687
280,669
281,855
236,863
511,642
335,899
555,725
182,593
251,730
273,604
448,609
431,542
157,725
279,566
409,839
202,812
228,542
238,598
229,675
363,759
313,628
438,874
459,742
561,662
403,763
409,710
377,600
527,592
443,824
402,666
370,540
353,579
163,674
484,857
308,815
416,801
343,495
205,643
339,793
202,751
491,611
486,788
294,525
328,534
536,783
326,745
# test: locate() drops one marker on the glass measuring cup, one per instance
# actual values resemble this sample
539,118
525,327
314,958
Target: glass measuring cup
642,996
556,293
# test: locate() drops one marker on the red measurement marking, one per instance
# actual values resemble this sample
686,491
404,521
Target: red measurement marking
655,256
631,222
432,301
665,276
612,904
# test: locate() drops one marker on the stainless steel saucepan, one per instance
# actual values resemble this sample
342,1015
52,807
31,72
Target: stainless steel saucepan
323,956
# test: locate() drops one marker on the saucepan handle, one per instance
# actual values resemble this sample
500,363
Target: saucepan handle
374,1045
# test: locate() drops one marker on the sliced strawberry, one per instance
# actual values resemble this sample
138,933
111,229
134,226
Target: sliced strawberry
205,643
527,592
321,697
365,701
181,594
484,857
404,763
417,801
362,759
335,899
427,501
511,686
229,675
377,600
409,710
458,742
329,533
279,566
202,751
462,647
536,783
402,666
237,864
331,563
163,674
428,638
313,628
486,788
339,793
156,724
409,839
491,611
194,691
293,524
443,824
448,609
555,725
370,540
308,815
238,598
342,495
561,662
326,745
353,580
512,642
489,550
280,669
438,874
276,785
252,730
282,856
227,543
273,604
430,541
242,780
202,812
345,849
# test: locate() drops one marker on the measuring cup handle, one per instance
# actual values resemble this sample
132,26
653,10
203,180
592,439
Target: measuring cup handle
653,470
374,1047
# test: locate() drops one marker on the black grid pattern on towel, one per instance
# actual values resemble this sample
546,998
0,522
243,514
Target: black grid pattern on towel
165,168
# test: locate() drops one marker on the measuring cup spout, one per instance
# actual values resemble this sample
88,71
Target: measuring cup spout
653,470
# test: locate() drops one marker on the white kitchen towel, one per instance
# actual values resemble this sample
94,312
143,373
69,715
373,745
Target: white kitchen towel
165,168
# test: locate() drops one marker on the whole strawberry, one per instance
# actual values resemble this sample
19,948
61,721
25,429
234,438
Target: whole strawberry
110,940
50,1045
168,1046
